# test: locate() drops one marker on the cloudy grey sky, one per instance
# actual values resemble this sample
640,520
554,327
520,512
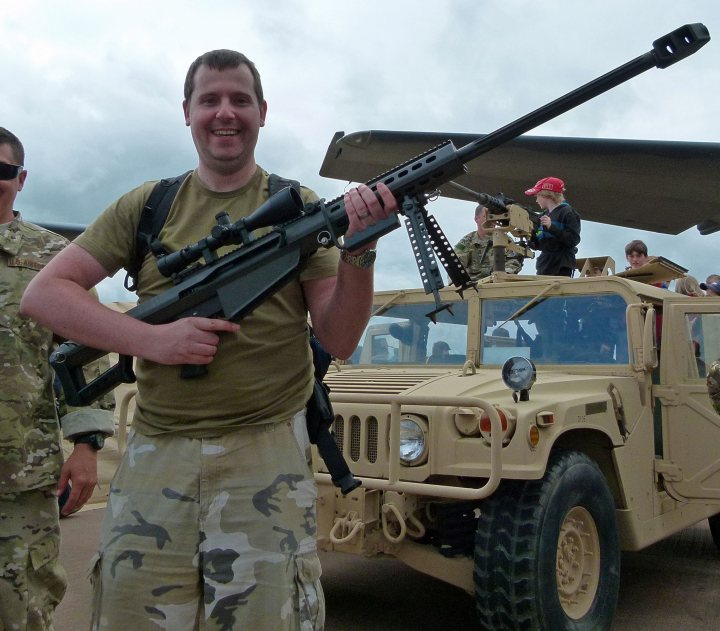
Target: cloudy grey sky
94,87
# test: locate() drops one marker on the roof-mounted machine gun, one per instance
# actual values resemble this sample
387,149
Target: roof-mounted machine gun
505,219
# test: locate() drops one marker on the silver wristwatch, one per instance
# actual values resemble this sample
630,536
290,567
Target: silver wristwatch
361,261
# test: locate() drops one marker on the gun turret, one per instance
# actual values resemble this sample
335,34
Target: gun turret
506,219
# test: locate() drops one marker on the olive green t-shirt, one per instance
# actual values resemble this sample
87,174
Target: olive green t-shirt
261,373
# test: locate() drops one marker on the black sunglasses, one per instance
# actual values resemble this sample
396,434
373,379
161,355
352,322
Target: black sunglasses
9,171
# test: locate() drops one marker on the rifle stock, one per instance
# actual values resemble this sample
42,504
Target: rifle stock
233,285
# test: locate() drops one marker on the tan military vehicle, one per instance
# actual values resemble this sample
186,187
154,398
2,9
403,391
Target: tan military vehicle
517,445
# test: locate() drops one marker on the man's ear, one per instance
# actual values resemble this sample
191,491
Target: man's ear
21,180
263,113
186,112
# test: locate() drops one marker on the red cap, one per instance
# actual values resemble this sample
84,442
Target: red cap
553,184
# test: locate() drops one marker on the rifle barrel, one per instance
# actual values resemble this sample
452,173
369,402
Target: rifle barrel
667,50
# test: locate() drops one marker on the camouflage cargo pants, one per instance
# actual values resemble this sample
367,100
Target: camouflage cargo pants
214,533
32,583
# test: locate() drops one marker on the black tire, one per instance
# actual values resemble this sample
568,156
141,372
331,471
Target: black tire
526,545
714,522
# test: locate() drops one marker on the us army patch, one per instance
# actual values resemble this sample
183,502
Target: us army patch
18,261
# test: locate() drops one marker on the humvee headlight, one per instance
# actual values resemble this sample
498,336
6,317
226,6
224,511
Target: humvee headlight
518,374
413,442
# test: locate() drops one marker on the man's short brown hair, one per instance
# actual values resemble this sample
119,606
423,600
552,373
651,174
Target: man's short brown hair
636,246
10,139
222,59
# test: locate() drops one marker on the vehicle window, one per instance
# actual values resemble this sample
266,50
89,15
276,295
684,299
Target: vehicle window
403,334
704,331
555,330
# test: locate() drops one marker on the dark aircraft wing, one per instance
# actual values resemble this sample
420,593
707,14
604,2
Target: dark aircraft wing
661,186
67,230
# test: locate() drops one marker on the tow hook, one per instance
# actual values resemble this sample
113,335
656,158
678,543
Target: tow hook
394,509
346,528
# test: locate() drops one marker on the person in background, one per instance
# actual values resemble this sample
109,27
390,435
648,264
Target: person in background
689,286
475,250
440,353
32,472
713,384
712,288
212,515
711,285
636,254
558,234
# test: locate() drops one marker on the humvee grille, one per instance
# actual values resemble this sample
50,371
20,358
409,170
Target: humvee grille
378,381
355,445
339,431
372,443
355,439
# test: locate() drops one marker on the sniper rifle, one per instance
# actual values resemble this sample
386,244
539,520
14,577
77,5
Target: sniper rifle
231,286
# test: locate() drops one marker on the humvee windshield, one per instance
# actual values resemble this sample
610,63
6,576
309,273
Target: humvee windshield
551,330
403,334
555,330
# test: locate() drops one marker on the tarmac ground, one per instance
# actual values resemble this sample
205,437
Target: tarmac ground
673,585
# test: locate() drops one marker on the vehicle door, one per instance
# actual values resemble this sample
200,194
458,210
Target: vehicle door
691,427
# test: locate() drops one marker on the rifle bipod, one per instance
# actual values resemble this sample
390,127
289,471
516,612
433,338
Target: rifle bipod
427,239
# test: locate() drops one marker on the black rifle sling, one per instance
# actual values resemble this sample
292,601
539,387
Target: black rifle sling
277,183
153,218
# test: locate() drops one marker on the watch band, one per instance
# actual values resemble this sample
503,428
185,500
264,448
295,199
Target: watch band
95,439
363,260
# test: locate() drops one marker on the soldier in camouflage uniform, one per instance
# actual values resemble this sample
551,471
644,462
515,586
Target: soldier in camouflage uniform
475,250
31,580
713,384
211,517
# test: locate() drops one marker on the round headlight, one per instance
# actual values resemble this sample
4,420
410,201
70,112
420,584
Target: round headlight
518,373
413,446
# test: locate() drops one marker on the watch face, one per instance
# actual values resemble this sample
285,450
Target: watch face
518,373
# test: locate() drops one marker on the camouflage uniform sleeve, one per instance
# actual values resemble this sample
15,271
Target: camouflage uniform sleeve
513,262
98,417
713,384
462,249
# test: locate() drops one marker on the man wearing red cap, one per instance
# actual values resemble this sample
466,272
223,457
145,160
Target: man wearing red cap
559,232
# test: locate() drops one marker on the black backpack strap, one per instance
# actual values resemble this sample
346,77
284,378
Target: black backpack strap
153,218
277,183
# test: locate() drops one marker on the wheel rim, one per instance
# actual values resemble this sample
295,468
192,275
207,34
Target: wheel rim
578,562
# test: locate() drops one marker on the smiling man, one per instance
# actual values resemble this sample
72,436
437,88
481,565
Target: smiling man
212,511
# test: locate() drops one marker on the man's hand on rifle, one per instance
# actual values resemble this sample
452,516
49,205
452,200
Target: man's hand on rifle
187,341
364,208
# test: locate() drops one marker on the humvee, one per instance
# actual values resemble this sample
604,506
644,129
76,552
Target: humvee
565,420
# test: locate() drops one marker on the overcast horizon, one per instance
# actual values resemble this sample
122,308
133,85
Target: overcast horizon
94,89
